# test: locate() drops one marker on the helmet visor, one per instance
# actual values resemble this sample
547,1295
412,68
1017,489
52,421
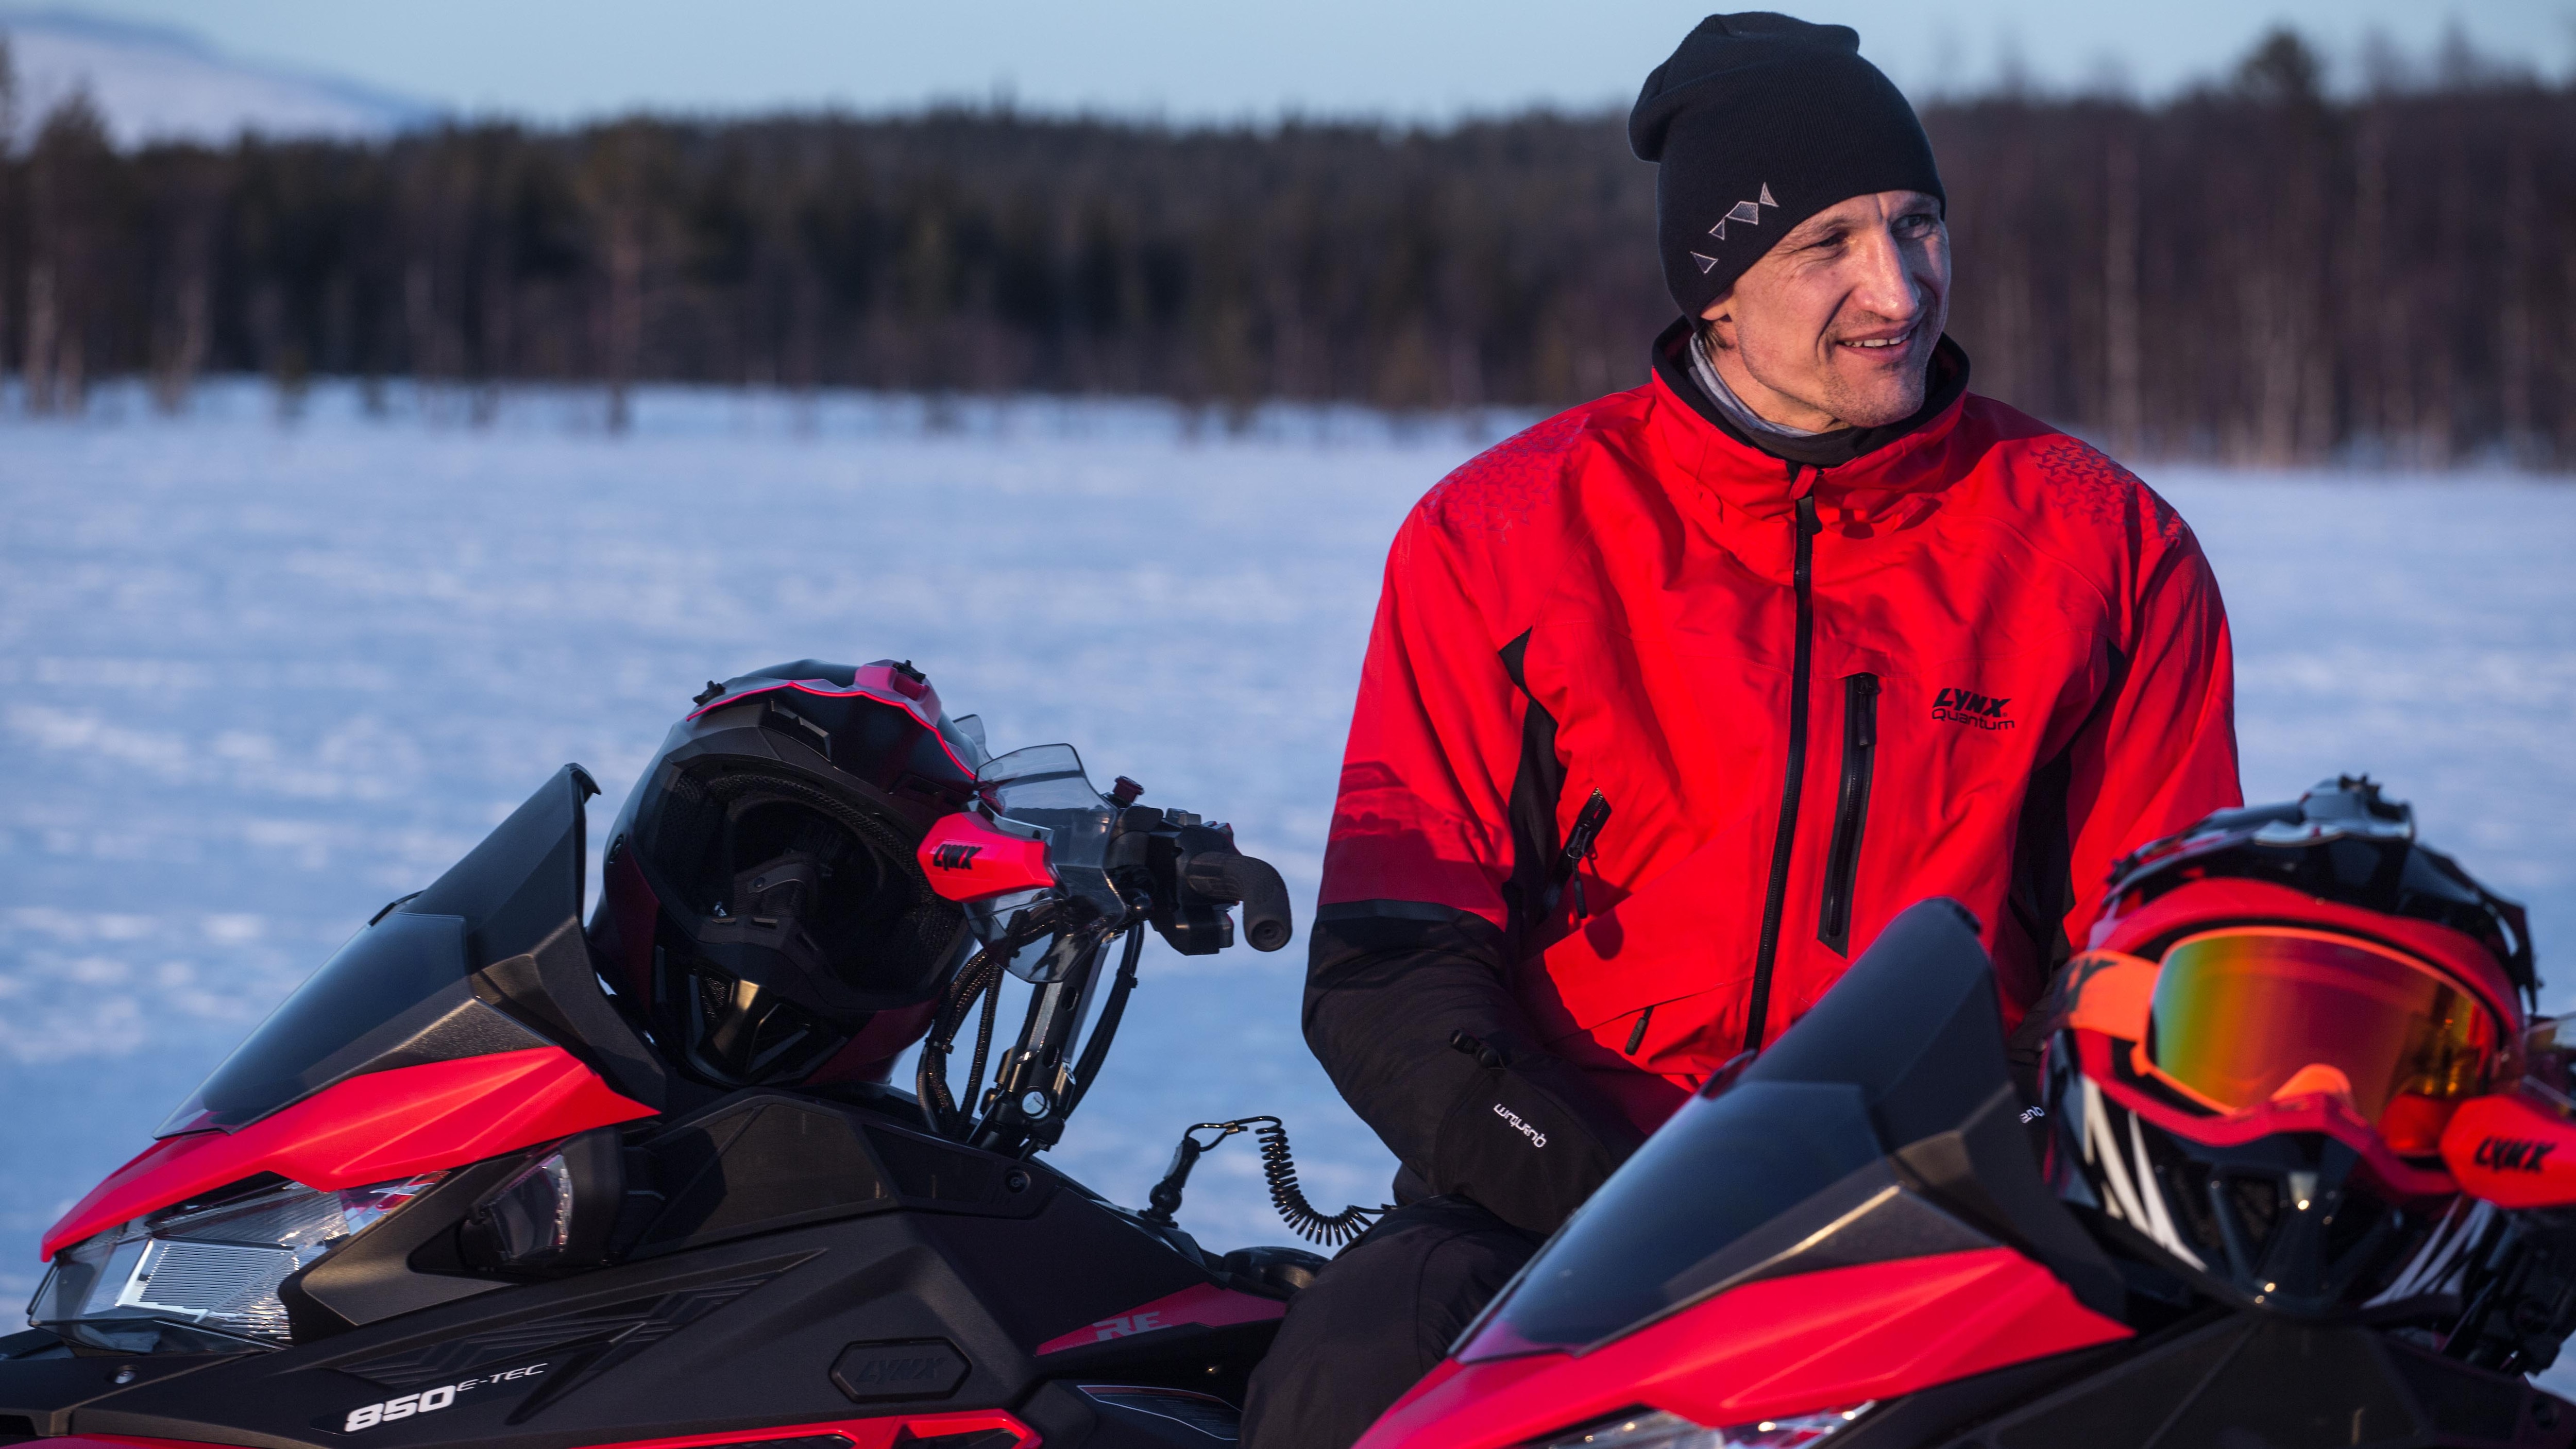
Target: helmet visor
2238,1013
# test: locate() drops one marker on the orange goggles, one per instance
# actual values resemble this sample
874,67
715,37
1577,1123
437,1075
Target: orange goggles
2238,1017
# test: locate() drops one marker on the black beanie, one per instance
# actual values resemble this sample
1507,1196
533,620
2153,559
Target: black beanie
1758,122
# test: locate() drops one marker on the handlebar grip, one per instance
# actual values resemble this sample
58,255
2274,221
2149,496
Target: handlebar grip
1227,877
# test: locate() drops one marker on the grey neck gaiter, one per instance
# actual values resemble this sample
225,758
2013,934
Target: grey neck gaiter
1706,375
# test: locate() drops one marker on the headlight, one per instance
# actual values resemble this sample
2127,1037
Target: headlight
200,1278
1659,1430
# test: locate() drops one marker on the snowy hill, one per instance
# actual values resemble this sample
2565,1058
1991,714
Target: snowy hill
157,84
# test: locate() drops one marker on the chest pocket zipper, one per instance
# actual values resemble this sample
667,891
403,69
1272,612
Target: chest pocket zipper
1851,810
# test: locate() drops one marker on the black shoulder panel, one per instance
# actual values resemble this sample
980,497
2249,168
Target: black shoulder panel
1536,787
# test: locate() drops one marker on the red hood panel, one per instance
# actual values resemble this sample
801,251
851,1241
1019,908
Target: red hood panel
367,1129
1784,1346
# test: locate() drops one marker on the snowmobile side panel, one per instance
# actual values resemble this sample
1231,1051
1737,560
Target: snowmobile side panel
367,1129
1200,1303
2258,1378
739,1332
759,1161
45,1392
1818,1341
1130,1416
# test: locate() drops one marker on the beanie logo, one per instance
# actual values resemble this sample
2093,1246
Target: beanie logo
1744,211
1748,212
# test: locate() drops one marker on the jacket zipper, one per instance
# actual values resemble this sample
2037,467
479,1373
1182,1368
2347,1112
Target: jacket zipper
1581,842
1758,1009
1851,810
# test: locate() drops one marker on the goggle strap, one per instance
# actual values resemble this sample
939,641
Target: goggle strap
2114,993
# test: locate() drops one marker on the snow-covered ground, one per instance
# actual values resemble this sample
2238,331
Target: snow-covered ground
257,678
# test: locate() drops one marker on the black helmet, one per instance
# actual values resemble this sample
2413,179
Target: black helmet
2256,1063
762,899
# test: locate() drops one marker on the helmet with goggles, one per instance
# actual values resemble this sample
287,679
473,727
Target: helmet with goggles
762,898
2281,1011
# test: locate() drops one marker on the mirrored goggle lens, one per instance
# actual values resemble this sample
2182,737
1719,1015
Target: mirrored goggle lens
2237,1013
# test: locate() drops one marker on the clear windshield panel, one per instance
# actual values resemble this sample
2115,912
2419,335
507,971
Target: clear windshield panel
1714,1193
389,979
1045,788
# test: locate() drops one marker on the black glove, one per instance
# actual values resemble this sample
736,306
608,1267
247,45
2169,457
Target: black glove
1529,1138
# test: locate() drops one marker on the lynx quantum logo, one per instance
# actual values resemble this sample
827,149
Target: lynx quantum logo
1535,1136
955,857
1967,707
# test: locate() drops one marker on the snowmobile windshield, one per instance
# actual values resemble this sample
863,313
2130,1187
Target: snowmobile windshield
402,992
390,982
1787,1172
1708,1198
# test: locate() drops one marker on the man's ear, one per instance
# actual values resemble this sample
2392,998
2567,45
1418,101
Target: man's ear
1720,317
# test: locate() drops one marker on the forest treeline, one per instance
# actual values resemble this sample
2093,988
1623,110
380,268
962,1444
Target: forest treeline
2254,271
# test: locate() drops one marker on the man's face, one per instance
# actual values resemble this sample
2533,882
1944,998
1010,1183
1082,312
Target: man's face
1834,327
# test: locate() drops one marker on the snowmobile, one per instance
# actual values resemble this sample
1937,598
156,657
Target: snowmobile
2193,1217
476,1183
491,1178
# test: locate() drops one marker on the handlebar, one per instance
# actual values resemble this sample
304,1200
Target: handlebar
1125,868
1230,878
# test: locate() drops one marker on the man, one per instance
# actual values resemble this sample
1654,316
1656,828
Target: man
1675,699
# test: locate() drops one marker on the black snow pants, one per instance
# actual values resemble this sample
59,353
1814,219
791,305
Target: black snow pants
1377,1319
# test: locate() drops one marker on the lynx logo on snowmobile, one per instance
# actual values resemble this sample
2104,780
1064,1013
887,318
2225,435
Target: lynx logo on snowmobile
1962,706
1536,1137
955,857
427,1401
2512,1154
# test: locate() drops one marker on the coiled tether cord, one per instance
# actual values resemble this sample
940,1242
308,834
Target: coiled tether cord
1278,1168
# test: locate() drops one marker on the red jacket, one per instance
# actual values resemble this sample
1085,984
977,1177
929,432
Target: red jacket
1980,661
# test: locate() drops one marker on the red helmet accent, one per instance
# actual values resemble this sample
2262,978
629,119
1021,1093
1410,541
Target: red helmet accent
885,681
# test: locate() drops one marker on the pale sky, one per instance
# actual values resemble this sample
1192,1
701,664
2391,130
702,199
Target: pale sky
1226,59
